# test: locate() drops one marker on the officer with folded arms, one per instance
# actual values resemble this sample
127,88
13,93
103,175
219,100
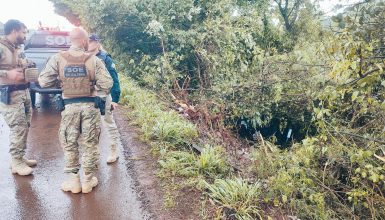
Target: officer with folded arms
84,81
15,103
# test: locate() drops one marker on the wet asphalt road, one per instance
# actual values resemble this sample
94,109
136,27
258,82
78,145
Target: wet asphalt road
39,196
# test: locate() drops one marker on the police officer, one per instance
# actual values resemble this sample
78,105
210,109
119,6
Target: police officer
15,103
82,76
112,100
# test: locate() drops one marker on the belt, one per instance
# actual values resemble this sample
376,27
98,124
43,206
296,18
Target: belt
79,100
16,87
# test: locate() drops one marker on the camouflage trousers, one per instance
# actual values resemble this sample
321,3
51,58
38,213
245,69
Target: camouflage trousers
17,115
80,119
109,123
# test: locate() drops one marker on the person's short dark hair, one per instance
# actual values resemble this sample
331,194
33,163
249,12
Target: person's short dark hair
13,24
94,37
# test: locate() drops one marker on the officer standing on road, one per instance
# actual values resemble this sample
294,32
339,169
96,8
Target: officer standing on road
15,102
112,100
82,76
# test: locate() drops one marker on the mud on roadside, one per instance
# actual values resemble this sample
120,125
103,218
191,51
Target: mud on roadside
142,166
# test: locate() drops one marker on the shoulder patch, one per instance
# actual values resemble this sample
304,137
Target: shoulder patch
113,65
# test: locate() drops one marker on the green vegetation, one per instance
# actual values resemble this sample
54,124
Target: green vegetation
277,65
237,197
156,122
210,163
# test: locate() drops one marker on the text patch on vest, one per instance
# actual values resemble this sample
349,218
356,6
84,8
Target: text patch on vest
74,71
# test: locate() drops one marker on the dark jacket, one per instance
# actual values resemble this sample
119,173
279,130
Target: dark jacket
115,90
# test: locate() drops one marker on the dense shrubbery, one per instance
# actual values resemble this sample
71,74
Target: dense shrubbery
273,65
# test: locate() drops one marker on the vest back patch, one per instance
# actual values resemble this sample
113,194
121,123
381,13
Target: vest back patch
74,71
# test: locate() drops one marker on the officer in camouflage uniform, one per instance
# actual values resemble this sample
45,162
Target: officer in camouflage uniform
112,100
82,77
15,103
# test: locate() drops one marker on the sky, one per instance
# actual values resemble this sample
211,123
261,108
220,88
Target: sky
30,12
327,5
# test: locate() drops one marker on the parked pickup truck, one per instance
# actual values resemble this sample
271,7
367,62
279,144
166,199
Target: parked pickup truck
39,47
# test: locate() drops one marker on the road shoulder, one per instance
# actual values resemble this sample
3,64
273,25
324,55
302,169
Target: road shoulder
142,166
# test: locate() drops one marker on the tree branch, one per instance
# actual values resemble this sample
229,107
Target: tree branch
363,76
359,136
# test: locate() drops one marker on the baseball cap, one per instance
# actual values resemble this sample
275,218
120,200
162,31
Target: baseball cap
94,37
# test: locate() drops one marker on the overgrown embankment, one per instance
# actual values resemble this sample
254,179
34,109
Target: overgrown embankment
219,62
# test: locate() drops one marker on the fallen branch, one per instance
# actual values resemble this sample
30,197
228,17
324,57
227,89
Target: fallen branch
380,158
263,143
359,136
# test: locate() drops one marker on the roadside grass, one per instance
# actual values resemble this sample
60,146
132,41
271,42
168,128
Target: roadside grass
157,123
210,163
236,197
171,137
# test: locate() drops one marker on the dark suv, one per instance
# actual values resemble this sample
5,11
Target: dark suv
39,47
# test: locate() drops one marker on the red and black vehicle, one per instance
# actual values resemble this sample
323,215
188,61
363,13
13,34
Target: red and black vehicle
39,47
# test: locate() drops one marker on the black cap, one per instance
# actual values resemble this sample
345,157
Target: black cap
94,37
